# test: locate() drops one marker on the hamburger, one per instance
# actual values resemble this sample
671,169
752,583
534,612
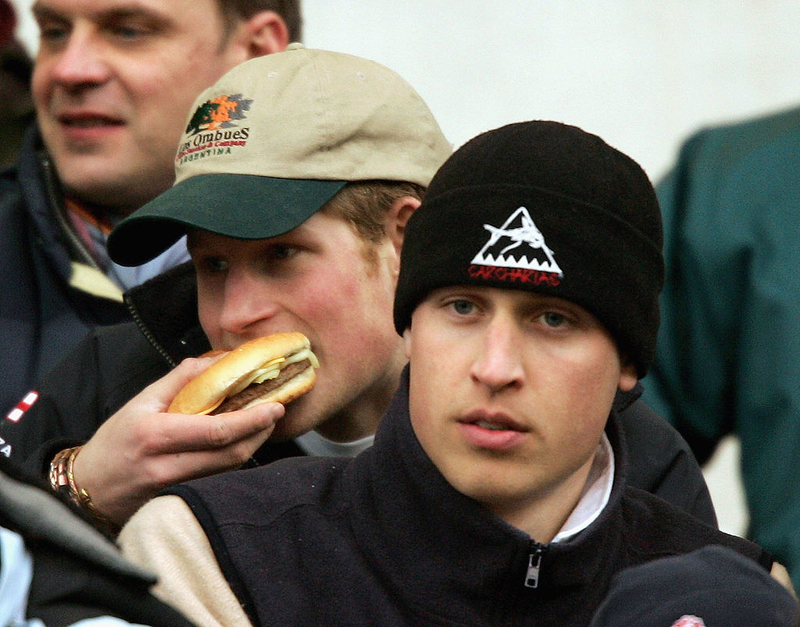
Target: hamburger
275,368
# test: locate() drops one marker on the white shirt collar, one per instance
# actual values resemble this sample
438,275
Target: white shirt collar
312,443
595,494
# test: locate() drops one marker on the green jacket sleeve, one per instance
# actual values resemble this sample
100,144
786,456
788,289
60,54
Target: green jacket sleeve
728,357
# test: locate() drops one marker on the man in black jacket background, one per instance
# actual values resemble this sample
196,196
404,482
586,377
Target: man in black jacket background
112,83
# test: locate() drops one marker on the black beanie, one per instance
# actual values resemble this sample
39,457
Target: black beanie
544,207
710,586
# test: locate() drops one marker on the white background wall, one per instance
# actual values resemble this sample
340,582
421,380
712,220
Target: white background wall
641,74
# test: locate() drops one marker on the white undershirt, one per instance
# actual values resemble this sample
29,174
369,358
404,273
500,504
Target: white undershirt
312,443
595,494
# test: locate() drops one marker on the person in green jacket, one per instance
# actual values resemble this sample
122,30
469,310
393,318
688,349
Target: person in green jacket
728,356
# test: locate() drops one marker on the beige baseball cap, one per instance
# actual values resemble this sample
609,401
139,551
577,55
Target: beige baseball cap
275,139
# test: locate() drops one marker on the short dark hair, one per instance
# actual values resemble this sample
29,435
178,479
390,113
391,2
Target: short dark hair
365,204
289,10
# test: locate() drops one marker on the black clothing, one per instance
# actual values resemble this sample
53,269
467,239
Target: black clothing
77,572
44,312
713,585
384,539
115,363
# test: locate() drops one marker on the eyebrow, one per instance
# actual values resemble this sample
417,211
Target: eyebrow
104,15
40,12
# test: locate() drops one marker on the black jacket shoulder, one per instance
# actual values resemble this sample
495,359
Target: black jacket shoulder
660,460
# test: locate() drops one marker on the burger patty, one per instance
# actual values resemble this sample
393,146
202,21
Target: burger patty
252,392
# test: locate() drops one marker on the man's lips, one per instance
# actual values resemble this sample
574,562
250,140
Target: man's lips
79,120
495,421
491,430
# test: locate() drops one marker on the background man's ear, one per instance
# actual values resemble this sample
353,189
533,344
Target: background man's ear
397,218
264,33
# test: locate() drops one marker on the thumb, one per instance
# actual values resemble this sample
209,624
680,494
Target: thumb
168,386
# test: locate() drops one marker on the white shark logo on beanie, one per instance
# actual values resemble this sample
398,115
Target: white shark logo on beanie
517,244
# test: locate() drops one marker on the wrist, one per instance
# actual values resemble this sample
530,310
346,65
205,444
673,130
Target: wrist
62,479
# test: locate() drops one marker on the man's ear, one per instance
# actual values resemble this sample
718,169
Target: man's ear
407,342
264,33
397,218
628,376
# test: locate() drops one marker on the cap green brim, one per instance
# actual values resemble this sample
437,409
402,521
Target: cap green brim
241,206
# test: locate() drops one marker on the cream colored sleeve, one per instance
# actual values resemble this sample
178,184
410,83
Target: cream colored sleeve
166,538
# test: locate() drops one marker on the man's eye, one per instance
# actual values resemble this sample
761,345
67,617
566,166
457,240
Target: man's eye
128,32
213,265
53,33
462,307
283,252
553,319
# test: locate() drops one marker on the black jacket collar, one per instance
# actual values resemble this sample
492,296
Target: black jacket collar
165,309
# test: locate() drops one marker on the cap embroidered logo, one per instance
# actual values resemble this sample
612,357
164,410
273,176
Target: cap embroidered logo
213,129
517,244
219,113
517,252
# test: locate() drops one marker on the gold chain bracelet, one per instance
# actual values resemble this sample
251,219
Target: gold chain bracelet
62,479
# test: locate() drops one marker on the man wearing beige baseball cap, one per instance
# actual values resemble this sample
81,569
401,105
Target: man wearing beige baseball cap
295,178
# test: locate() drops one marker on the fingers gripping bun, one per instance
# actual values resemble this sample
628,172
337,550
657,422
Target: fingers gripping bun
277,367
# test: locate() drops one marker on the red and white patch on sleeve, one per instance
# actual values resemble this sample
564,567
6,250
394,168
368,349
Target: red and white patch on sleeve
689,621
24,405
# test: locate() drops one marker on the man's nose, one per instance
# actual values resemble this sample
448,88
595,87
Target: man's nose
82,59
246,302
498,364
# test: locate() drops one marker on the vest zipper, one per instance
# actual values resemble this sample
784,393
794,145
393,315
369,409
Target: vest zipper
534,565
147,334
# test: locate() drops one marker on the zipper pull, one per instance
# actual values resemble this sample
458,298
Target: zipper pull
534,564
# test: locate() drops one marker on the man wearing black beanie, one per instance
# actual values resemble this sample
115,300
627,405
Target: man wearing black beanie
495,491
567,215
